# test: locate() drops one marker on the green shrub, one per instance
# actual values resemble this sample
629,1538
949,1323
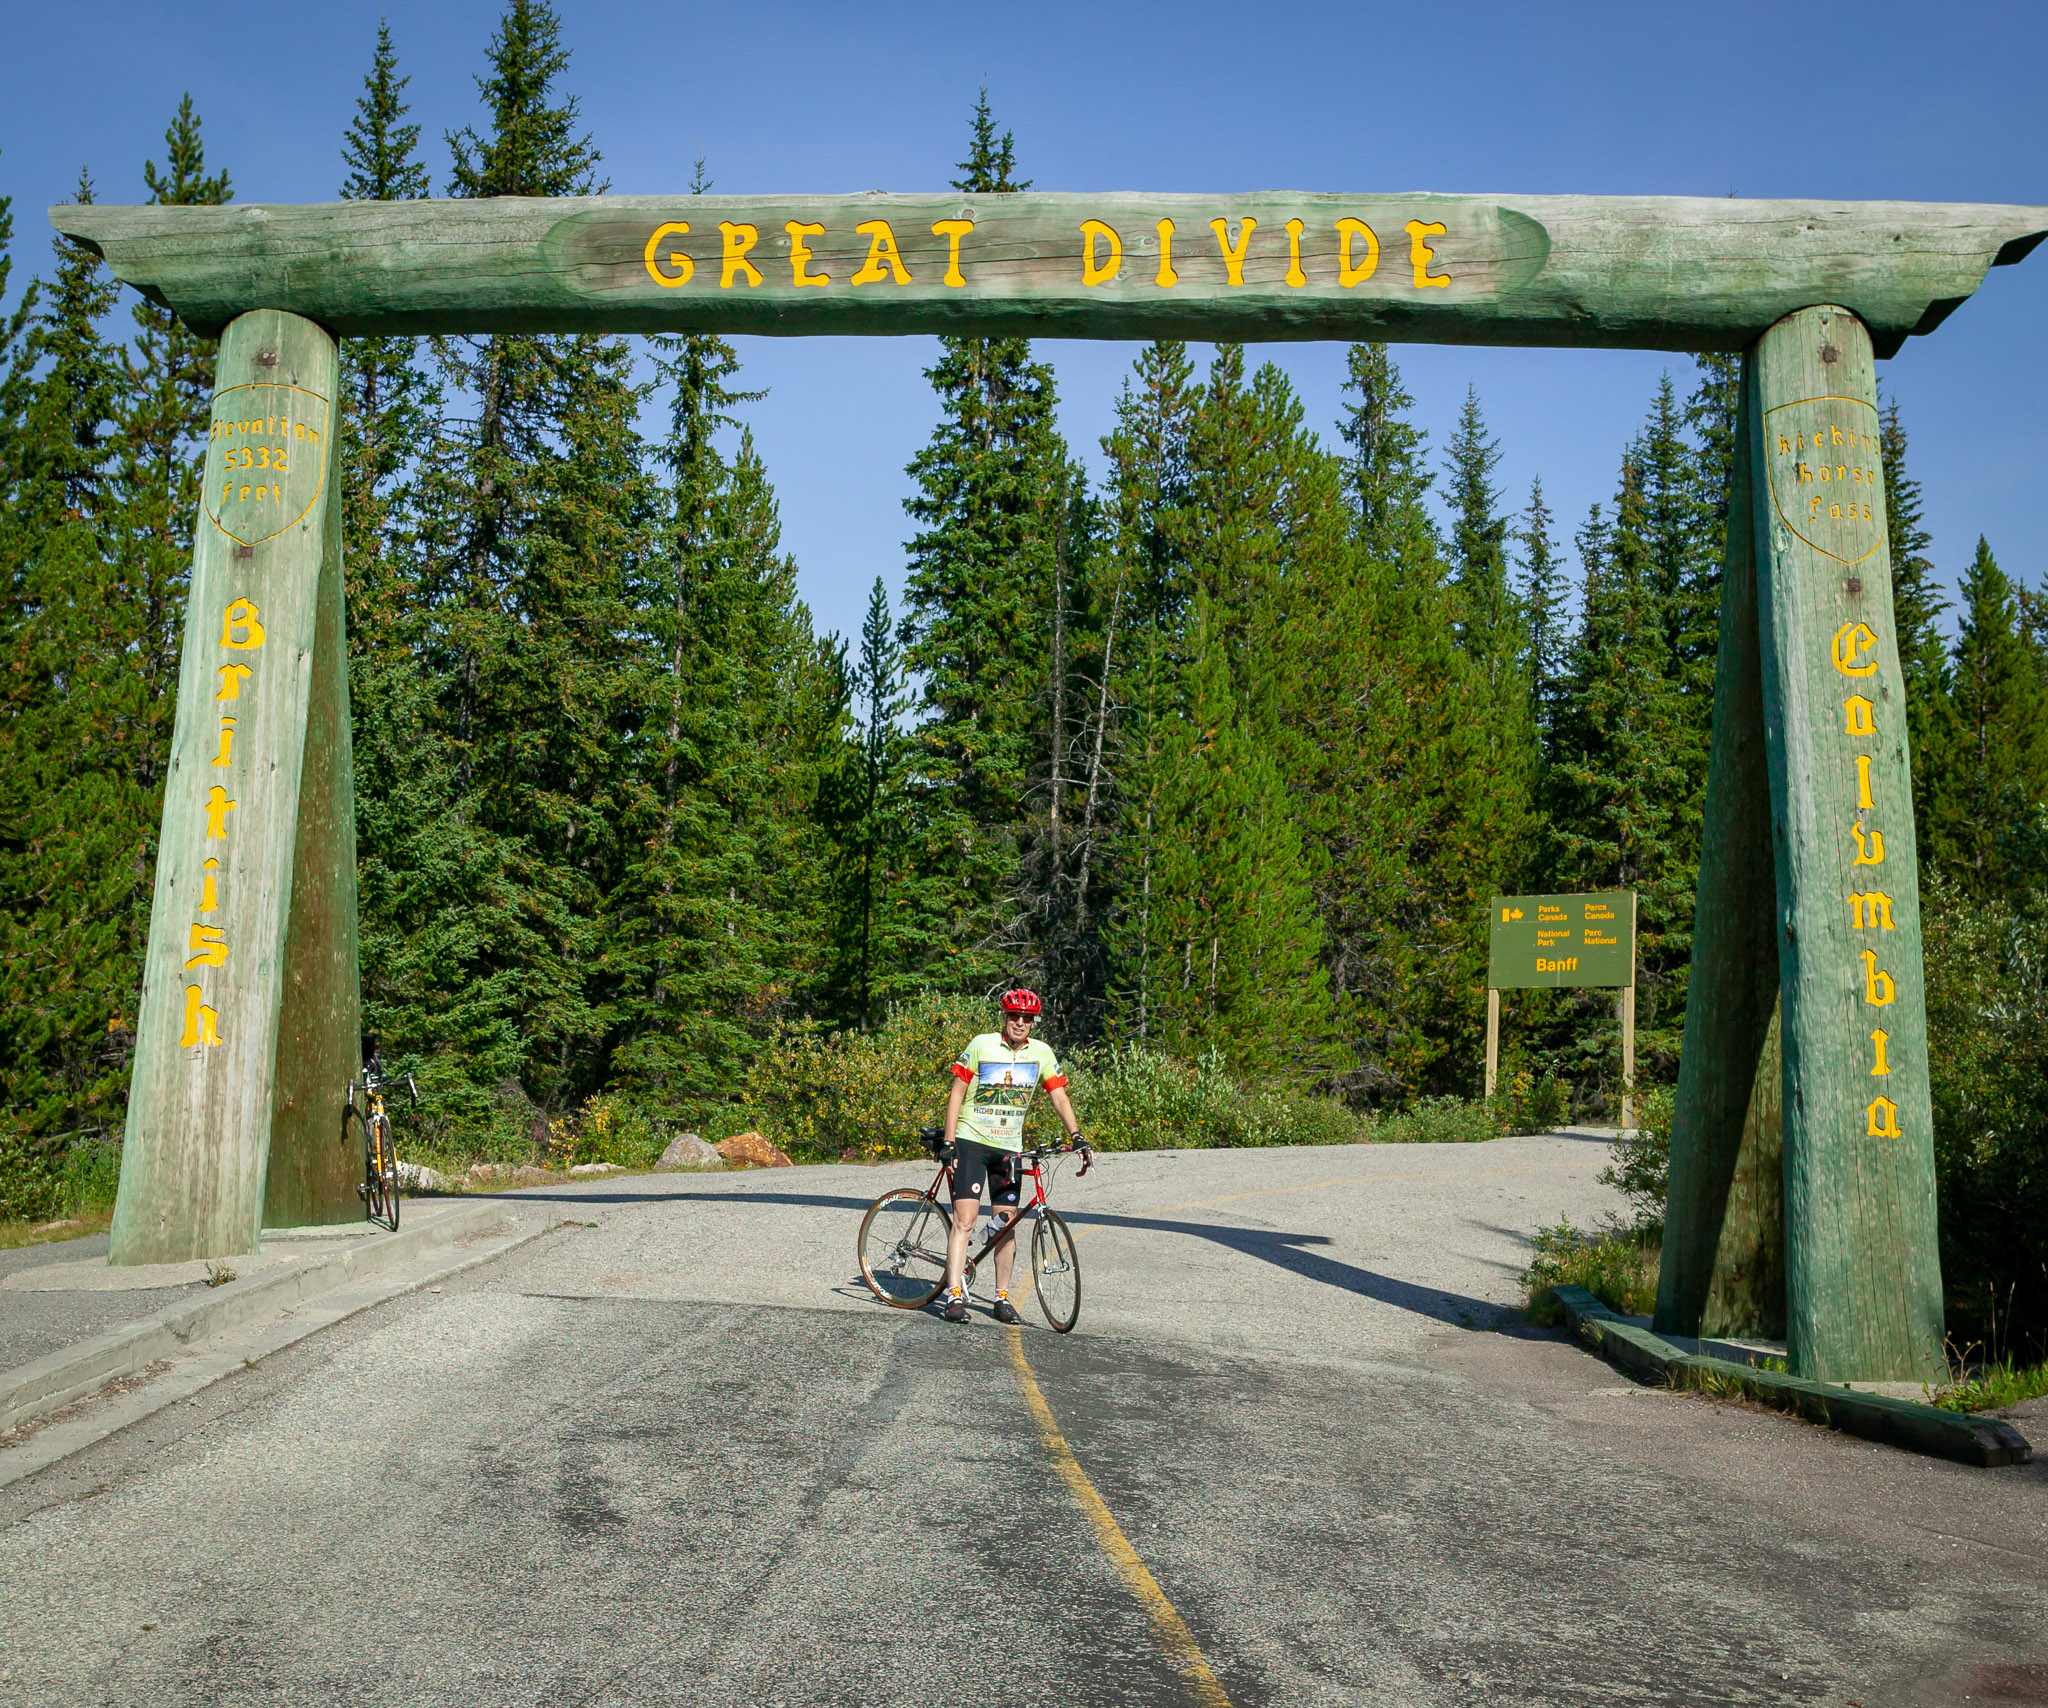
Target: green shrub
1440,1121
1619,1268
1991,1386
1532,1105
821,1094
1641,1165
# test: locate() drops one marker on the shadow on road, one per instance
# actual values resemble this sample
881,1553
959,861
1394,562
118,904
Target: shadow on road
1285,1251
1282,1250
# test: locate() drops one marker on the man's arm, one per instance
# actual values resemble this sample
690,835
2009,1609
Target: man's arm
1063,1106
953,1106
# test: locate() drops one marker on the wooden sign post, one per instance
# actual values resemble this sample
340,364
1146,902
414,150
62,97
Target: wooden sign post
1806,1025
248,1025
1571,942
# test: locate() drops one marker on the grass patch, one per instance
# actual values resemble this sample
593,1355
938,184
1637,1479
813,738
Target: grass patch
15,1234
1990,1386
1618,1267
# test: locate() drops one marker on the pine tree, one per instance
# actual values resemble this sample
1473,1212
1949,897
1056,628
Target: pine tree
1988,764
1230,936
1917,605
1621,770
994,487
528,522
1542,596
1490,627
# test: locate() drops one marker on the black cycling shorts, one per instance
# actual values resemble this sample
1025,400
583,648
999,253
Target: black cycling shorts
980,1163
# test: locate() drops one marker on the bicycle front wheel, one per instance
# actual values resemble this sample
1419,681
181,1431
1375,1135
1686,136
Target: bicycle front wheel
1056,1271
903,1248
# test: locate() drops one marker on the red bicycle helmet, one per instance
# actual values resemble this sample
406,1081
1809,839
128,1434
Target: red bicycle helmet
1021,1002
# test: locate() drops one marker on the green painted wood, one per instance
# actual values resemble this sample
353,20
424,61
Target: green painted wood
1675,273
316,1162
1734,980
1863,1280
201,1097
1746,1293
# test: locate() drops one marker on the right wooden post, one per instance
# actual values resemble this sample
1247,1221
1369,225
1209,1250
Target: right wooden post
1862,1269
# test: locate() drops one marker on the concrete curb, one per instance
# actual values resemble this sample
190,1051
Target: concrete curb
1962,1436
60,1378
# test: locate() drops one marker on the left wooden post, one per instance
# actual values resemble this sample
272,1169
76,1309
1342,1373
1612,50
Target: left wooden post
249,1023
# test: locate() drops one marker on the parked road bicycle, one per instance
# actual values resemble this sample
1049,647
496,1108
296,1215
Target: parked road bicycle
903,1236
379,1190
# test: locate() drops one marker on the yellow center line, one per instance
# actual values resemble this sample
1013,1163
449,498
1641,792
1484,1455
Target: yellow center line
1185,1652
1318,1185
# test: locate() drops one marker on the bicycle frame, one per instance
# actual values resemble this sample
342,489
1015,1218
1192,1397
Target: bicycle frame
1033,1163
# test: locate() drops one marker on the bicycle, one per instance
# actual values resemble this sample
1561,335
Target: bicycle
379,1190
902,1246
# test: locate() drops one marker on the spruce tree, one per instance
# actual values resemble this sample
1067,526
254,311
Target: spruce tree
1542,594
76,821
993,490
1917,605
1988,764
1621,773
528,519
1230,940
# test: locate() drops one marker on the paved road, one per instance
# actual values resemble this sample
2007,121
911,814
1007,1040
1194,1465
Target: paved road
679,1457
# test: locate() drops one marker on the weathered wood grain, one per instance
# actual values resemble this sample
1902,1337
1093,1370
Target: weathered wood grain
1863,1281
201,1098
316,1159
1733,988
1675,273
1746,1295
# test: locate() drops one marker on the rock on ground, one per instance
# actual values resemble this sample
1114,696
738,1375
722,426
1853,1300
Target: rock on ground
417,1177
687,1150
751,1148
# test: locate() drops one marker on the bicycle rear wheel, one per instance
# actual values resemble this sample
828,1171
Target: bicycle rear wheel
386,1164
1056,1271
903,1248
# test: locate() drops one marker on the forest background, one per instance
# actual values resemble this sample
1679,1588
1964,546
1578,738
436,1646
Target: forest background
1223,751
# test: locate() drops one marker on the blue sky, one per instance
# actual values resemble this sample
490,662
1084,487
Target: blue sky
1875,101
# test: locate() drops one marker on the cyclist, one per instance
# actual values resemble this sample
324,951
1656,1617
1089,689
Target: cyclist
992,1085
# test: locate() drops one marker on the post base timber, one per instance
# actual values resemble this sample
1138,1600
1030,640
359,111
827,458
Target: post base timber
1714,1234
203,1093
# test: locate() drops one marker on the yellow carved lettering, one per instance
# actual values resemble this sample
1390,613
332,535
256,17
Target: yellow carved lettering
800,255
1856,716
1878,988
1852,640
209,946
218,806
1881,1067
1093,270
1167,276
200,1027
227,743
1881,1119
738,240
1873,855
676,258
1871,911
1420,255
1351,231
241,615
209,895
952,230
1863,799
232,676
1295,276
1233,259
884,260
